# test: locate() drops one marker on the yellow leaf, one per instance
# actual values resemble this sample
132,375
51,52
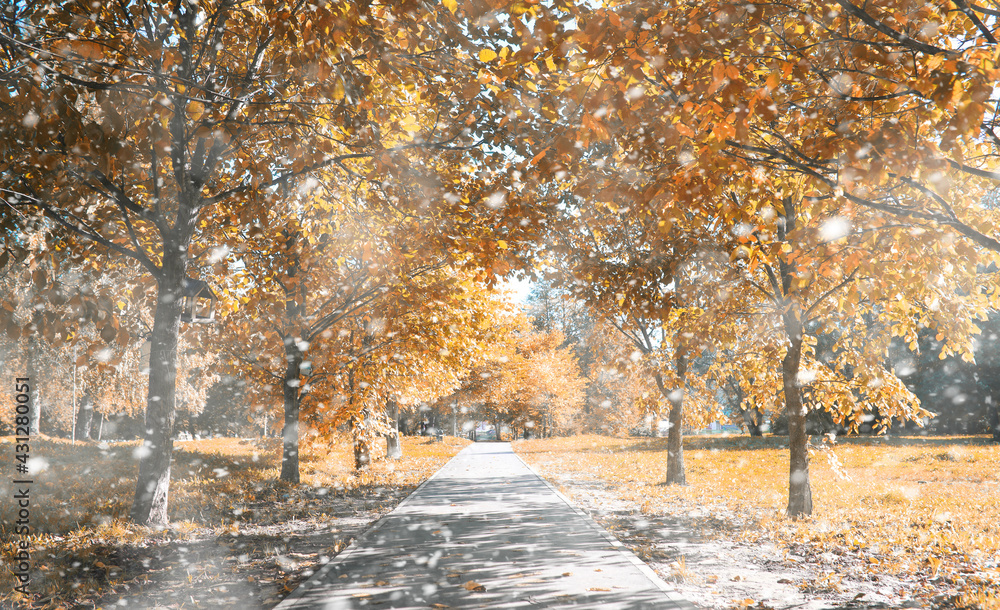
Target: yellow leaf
502,244
451,5
196,110
487,55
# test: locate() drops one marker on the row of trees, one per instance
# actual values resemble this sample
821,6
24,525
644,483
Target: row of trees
760,196
316,162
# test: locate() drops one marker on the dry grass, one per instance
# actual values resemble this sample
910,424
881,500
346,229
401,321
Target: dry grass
83,548
925,506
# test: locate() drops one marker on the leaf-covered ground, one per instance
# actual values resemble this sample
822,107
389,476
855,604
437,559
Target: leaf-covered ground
238,537
898,522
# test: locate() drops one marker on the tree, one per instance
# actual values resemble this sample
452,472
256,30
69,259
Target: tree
683,113
529,382
146,130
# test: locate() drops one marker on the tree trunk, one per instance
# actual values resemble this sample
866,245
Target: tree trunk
149,507
100,426
362,445
994,407
799,492
393,448
752,417
84,417
292,400
675,433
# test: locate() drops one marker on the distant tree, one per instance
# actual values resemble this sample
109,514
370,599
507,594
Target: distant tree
227,412
532,383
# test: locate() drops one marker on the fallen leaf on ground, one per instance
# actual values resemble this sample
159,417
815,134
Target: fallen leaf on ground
472,585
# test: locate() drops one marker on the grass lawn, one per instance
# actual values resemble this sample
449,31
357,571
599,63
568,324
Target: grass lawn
238,537
924,506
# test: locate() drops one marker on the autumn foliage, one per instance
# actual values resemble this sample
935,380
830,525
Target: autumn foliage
755,203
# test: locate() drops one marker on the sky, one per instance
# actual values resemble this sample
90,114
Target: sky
518,287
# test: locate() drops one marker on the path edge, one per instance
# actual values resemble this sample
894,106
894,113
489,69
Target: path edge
300,591
641,565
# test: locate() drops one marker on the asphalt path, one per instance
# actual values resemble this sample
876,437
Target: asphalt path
485,532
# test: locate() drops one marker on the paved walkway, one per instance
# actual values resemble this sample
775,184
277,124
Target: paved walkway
485,532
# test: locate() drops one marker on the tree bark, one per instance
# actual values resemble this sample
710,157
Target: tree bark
149,507
751,417
84,417
393,448
799,491
362,445
100,426
675,433
292,401
192,423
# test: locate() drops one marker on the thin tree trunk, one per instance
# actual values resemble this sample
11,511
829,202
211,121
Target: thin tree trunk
675,433
393,448
994,407
100,426
799,491
362,444
84,418
149,507
292,400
